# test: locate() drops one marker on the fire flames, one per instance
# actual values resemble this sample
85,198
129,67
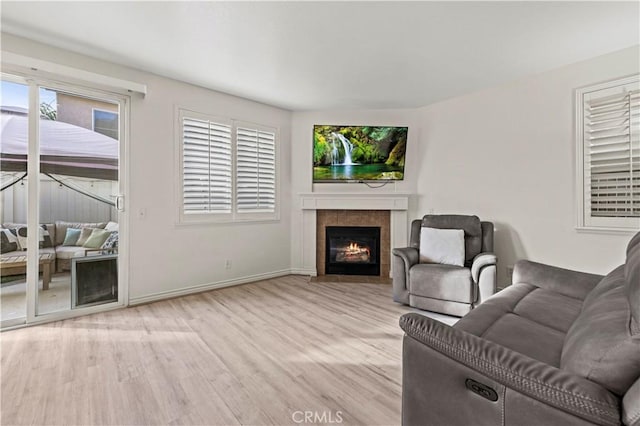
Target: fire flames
354,248
353,253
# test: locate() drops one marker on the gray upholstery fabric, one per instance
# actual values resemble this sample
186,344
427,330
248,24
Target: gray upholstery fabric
632,276
601,345
564,281
527,337
433,286
445,282
446,307
403,260
631,405
558,348
470,225
560,394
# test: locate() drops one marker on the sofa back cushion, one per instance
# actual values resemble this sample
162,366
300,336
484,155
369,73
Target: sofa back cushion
603,344
469,224
632,276
61,229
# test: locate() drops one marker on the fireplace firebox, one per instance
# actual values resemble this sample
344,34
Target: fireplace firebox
353,250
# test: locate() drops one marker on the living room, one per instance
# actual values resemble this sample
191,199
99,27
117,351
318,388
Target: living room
490,113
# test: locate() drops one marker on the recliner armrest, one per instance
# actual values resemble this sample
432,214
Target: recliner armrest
564,281
410,255
547,384
480,262
403,260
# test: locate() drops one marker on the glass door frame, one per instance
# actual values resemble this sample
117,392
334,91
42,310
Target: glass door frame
33,197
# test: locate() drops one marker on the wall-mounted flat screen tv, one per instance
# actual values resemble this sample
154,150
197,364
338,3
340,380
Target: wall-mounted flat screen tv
358,153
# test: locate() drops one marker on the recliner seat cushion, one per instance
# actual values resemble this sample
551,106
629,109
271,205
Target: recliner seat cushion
444,282
603,345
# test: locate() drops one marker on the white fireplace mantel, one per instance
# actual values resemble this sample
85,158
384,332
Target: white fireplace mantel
345,201
396,203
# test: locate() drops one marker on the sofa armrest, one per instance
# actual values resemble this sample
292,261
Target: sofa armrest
564,281
549,385
403,260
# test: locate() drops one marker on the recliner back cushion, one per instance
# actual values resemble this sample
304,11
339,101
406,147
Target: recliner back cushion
602,345
470,225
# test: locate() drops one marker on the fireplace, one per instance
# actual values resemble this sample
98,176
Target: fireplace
352,250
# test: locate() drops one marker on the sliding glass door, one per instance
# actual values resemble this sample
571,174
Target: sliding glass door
62,145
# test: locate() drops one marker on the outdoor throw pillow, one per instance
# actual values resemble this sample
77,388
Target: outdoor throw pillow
96,239
111,242
85,233
444,246
71,238
45,241
9,241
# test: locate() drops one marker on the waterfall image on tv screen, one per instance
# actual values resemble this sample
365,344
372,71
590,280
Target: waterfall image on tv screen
358,153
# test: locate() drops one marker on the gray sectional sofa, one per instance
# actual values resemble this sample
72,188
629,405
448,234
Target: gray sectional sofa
558,347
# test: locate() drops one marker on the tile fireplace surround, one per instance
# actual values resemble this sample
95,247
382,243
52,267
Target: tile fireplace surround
389,211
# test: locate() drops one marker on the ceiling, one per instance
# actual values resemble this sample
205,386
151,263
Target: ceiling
333,55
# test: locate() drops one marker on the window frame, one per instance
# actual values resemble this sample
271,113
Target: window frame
93,119
584,221
234,216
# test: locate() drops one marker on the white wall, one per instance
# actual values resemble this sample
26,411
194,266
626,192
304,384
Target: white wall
165,257
507,154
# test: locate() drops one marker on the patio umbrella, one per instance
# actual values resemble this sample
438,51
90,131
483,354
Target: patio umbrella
65,149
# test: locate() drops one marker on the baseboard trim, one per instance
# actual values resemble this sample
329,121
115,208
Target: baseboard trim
303,271
208,286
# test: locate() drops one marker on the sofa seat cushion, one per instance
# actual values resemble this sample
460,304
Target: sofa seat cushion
603,344
69,252
525,318
550,309
527,337
444,282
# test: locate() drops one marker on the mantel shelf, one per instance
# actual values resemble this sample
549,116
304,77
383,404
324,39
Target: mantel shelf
354,201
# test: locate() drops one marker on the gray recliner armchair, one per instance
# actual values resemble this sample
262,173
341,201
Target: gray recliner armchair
448,289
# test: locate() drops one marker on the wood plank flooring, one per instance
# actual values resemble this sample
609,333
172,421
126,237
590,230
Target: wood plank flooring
251,354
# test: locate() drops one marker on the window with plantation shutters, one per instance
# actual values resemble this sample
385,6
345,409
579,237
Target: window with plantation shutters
206,166
228,170
609,152
255,170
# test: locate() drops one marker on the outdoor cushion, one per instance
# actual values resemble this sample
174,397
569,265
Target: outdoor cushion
97,238
72,237
63,252
85,233
61,228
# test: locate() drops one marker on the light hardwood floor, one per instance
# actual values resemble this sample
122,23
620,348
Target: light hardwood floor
251,354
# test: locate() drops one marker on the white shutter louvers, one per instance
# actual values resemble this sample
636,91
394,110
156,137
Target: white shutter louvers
255,170
612,145
608,155
206,166
228,169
